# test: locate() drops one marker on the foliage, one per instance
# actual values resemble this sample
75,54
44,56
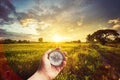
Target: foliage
84,60
77,41
8,41
40,39
104,36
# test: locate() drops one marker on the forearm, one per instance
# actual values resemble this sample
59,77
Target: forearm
39,76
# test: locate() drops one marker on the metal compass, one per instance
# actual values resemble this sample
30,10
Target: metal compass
56,57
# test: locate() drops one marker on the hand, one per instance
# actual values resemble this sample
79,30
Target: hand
46,71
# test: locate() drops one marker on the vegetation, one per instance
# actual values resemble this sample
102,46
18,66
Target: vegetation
40,39
85,61
8,41
104,36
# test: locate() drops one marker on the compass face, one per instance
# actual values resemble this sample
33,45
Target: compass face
56,58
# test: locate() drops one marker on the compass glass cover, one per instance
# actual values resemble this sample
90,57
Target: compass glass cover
56,58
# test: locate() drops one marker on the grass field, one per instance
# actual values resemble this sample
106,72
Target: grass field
85,61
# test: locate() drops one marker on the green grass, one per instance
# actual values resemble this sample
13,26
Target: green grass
84,61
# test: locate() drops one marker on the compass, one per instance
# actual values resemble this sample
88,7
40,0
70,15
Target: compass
56,57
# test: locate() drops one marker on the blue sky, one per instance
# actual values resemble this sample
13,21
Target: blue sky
66,19
22,5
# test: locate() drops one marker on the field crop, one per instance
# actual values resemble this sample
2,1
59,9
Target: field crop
85,61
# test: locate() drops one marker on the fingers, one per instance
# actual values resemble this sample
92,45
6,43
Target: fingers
45,56
58,48
61,67
65,53
47,52
64,62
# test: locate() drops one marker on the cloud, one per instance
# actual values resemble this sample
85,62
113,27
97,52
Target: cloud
2,32
81,21
13,35
18,28
116,27
28,22
108,8
116,24
63,9
114,21
6,7
33,23
42,26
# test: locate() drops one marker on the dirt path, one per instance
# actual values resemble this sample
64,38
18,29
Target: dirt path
111,62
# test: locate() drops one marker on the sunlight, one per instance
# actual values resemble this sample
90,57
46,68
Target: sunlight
57,38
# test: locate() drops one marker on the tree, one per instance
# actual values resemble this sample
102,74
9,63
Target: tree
77,41
40,39
23,41
8,41
89,38
103,36
117,40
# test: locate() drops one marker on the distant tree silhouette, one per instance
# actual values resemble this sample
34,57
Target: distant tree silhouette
7,41
19,41
103,36
77,41
40,39
23,41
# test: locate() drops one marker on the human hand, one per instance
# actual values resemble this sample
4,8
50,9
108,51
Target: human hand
46,71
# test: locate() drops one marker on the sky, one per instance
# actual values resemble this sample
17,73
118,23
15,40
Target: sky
57,20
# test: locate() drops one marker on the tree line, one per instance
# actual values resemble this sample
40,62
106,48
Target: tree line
7,41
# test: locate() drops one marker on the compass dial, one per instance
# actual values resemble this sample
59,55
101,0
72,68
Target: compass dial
56,58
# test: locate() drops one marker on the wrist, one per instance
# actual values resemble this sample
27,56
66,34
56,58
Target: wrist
44,75
39,75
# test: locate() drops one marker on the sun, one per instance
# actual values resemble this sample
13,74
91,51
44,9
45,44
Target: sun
57,38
